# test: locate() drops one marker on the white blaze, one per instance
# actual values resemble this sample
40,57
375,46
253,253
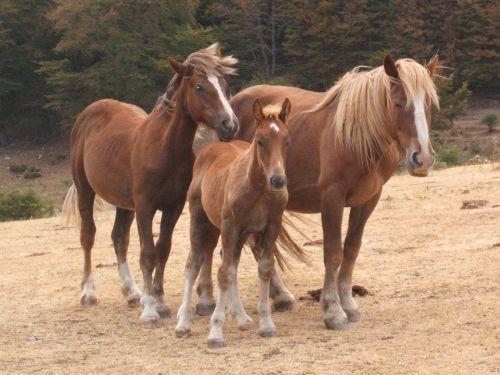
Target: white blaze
274,127
225,104
421,125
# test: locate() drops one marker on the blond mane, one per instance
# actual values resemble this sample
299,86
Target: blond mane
362,98
271,111
205,61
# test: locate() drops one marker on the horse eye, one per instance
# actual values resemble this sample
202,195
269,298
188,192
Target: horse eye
399,105
260,143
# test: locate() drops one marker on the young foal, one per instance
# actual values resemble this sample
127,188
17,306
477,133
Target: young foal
143,163
238,190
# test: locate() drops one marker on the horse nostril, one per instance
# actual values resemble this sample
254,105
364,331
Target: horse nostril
414,159
277,182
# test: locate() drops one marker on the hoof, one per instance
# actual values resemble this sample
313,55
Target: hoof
134,300
268,333
90,300
183,332
354,316
282,306
164,311
247,326
150,316
337,326
215,343
205,309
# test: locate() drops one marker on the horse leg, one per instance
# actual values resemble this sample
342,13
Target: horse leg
226,277
332,207
86,198
205,289
204,237
357,220
120,236
283,299
163,245
266,268
144,215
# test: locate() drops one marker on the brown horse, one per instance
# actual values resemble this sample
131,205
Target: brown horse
143,163
345,144
238,190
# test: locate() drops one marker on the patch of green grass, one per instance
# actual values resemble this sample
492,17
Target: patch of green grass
32,172
18,168
450,156
17,205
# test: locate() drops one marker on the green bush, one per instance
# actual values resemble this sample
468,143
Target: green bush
450,156
490,120
17,168
16,205
453,100
32,172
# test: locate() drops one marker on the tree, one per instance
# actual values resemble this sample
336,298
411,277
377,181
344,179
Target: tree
490,120
116,49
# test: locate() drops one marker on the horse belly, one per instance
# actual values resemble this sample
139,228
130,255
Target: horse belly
109,174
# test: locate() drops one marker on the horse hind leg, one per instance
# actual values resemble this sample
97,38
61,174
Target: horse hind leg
120,236
283,299
86,198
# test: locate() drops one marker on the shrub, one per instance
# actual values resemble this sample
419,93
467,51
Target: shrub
16,205
475,148
453,102
450,156
32,172
490,120
17,168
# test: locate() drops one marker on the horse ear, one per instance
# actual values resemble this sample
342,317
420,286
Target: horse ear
179,68
390,67
432,65
257,110
286,107
218,52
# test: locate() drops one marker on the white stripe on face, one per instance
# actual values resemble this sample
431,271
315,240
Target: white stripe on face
274,127
421,125
225,104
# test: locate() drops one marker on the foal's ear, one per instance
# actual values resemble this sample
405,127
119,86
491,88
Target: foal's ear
257,110
390,67
179,68
286,107
432,65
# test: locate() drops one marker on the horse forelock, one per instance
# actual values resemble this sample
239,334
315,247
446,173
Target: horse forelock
362,98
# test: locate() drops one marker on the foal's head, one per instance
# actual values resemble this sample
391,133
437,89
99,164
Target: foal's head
271,141
411,99
200,83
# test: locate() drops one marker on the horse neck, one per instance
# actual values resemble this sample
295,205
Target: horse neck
256,175
180,130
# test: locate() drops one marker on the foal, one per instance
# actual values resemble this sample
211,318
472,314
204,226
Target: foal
238,189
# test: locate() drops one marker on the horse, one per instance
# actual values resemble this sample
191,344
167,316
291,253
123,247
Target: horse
345,145
238,190
142,163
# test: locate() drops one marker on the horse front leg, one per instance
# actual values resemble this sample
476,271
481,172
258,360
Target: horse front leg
163,246
144,217
357,220
332,207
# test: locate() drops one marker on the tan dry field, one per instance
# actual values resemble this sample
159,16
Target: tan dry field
432,270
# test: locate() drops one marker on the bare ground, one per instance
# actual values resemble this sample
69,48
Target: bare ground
432,270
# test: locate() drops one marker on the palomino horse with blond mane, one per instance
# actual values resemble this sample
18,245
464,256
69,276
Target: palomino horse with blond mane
345,144
143,163
238,190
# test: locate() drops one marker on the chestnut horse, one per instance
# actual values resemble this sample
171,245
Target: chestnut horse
142,163
238,189
345,145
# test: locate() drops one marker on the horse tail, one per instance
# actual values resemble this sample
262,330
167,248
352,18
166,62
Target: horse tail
286,243
70,214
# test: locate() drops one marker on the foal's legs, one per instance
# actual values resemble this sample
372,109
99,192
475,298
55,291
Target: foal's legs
120,236
357,220
266,268
226,278
163,245
204,237
283,299
332,207
86,198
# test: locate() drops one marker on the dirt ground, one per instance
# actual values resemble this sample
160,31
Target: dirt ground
432,270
